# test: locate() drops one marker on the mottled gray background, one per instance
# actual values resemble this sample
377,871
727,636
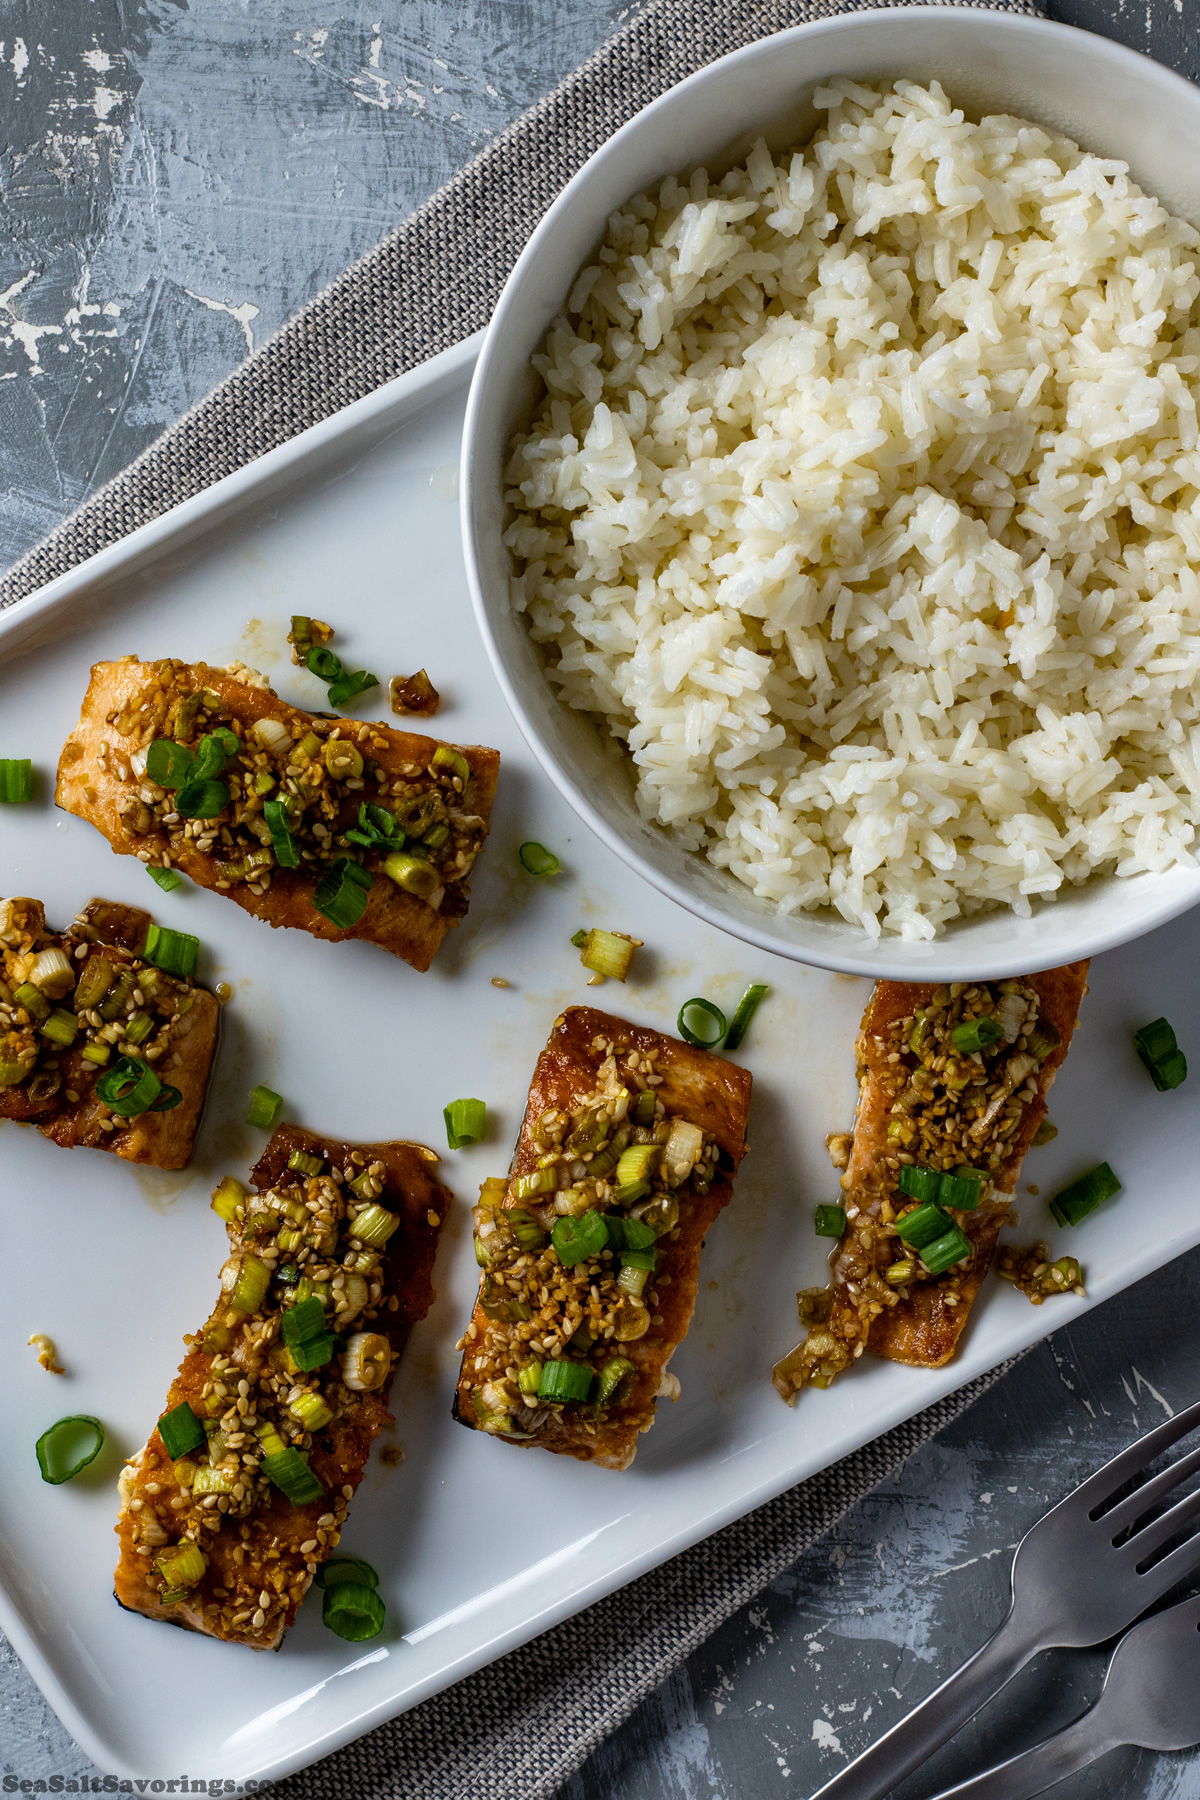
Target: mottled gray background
177,179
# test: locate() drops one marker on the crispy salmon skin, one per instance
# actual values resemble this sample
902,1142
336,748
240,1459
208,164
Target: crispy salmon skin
286,789
605,1093
72,1004
259,1551
950,1078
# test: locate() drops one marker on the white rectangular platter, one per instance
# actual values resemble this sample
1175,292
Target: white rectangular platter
479,1546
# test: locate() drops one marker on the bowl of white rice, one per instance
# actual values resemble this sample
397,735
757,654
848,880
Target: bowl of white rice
832,493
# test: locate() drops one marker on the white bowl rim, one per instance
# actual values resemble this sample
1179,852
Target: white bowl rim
889,956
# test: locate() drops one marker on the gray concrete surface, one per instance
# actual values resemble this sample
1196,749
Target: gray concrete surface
177,179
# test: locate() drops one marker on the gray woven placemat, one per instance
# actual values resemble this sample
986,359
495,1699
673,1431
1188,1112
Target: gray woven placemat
519,1729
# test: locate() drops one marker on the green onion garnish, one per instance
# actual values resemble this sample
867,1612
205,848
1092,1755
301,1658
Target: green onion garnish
377,828
168,764
250,1288
829,1221
611,1376
466,1122
310,1411
277,814
323,663
977,1034
1155,1044
181,1431
33,1000
1085,1195
565,1381
346,1568
701,1023
341,894
412,873
61,1027
538,860
608,953
374,1225
304,1333
747,1006
129,1088
963,1188
920,1183
201,799
529,1234
289,1472
265,1108
229,1199
628,1234
16,780
68,1446
577,1239
166,1099
138,1028
175,952
639,1259
580,938
301,1163
643,1107
945,1251
924,1225
447,757
351,685
352,1610
167,879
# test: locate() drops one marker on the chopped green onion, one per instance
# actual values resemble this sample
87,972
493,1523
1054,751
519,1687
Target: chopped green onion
180,1431
350,686
182,1567
118,995
639,1259
412,873
466,1122
277,814
529,1377
577,1239
166,1099
919,1182
301,633
341,894
250,1288
229,1199
963,1189
829,1221
525,1228
175,952
343,759
447,757
374,1225
202,799
643,1107
747,1006
345,1568
945,1251
538,860
502,1306
304,1164
565,1381
1042,1040
61,1027
96,1053
628,1234
898,1273
611,1377
97,977
924,1225
129,1088
352,1611
701,1023
661,1214
69,1445
977,1034
1083,1196
580,938
377,828
265,1108
168,764
1155,1044
304,1333
167,879
33,1000
323,663
138,1028
608,953
1045,1134
538,1181
290,1473
16,780
637,1163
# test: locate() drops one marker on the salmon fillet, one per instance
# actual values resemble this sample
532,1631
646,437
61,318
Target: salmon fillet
129,704
254,1541
106,991
923,1103
531,1308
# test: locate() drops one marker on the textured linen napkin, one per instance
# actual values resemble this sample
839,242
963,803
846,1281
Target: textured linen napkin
519,1729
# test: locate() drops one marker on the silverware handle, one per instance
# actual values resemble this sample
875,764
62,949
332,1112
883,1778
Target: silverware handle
1040,1768
907,1745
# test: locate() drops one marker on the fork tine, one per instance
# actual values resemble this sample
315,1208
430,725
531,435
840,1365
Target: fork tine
1097,1488
1143,1498
1160,1531
1162,1577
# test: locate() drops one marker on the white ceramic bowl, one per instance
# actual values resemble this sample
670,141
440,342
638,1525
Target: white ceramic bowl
1107,98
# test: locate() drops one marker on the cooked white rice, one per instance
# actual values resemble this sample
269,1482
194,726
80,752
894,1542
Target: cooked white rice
864,506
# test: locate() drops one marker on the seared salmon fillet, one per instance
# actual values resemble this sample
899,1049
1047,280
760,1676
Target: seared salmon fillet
951,1079
590,1249
80,1007
210,1540
331,826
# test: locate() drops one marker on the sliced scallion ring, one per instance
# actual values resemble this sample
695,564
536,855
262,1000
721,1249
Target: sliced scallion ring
166,1099
977,1034
202,799
341,894
265,1108
701,1023
747,1006
168,764
323,663
1085,1195
353,1611
346,1568
69,1446
349,686
538,860
167,879
466,1122
829,1221
129,1088
175,952
16,780
277,814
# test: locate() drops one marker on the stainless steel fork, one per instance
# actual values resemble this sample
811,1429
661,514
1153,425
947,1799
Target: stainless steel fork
1151,1697
1080,1575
